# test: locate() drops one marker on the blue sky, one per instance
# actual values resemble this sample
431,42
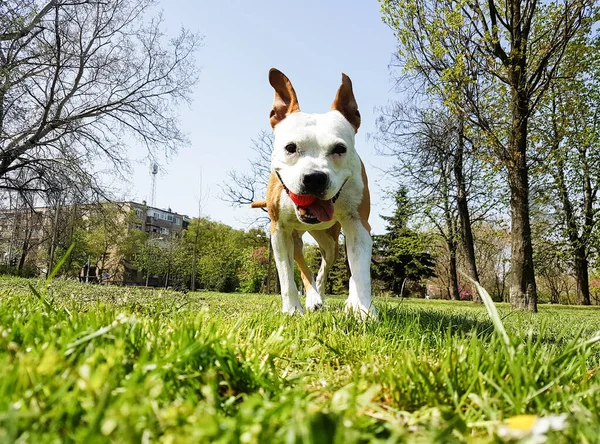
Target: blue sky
312,42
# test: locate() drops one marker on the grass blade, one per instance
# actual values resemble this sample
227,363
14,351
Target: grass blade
61,262
41,297
494,315
100,332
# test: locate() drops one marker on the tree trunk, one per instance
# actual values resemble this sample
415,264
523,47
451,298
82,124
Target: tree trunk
269,267
466,233
582,275
590,193
53,242
194,259
71,234
523,292
577,242
24,252
450,234
454,293
555,294
100,272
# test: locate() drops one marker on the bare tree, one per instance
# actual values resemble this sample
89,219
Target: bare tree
202,199
422,142
79,79
436,163
493,244
243,188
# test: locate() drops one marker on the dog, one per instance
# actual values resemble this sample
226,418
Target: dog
318,185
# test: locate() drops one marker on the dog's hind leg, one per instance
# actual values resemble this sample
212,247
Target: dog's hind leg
313,298
283,250
328,244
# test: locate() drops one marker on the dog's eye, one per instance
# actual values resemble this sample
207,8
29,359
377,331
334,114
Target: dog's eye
291,148
340,148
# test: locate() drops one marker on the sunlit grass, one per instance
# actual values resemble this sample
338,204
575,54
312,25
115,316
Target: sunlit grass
89,363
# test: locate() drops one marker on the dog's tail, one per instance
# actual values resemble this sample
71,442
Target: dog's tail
259,204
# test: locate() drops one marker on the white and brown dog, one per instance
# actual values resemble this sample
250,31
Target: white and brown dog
318,184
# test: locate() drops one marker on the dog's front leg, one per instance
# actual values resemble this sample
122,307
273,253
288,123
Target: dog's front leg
283,249
359,248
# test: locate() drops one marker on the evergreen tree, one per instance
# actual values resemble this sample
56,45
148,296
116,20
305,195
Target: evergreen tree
400,254
338,277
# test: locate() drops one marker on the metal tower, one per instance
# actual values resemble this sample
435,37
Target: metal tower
153,192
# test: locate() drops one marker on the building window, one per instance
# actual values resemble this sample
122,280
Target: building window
164,230
139,213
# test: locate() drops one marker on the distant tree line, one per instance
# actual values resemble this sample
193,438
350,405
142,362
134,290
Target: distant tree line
107,238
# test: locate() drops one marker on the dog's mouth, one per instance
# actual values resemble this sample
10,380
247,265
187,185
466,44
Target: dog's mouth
318,211
310,209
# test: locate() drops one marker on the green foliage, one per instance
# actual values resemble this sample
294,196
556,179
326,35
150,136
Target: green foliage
150,258
97,232
338,278
254,268
401,253
27,271
221,253
128,365
223,257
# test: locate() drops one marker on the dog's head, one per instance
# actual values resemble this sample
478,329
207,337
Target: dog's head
313,154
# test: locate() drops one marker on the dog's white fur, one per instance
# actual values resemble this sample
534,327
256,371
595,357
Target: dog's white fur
315,135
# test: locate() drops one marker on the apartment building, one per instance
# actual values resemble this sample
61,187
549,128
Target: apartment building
29,235
161,225
156,221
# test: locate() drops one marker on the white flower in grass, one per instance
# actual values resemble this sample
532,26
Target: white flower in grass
85,371
122,318
532,428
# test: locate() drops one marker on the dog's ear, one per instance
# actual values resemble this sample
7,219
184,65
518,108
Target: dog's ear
345,102
285,101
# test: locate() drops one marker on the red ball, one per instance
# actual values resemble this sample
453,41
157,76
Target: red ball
303,200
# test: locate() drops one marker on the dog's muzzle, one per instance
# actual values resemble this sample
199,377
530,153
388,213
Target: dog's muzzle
312,210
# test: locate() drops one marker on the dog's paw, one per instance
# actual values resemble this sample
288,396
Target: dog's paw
292,309
313,300
361,311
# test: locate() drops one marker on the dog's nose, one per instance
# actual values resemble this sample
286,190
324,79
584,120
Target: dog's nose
314,183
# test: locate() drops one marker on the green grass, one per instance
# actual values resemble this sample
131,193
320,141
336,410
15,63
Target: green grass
103,364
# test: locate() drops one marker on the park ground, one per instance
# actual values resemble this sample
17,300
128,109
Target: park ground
88,363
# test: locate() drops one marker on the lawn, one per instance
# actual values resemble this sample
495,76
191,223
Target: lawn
87,363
